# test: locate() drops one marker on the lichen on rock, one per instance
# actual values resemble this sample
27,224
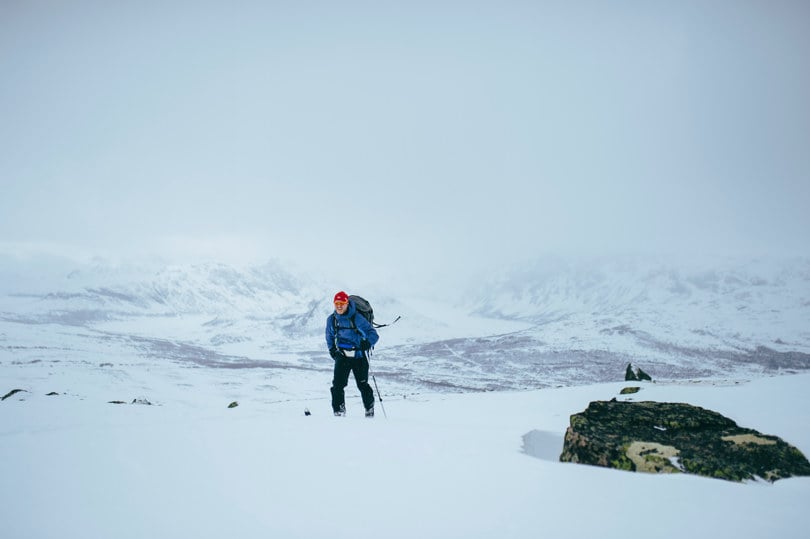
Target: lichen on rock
665,437
653,457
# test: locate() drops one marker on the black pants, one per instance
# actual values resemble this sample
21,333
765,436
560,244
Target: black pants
359,366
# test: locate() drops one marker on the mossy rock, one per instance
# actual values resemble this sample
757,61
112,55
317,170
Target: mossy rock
664,437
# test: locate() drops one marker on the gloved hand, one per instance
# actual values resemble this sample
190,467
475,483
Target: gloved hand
336,354
364,345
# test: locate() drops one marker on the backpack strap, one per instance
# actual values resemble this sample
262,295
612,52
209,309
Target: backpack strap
375,325
337,327
354,325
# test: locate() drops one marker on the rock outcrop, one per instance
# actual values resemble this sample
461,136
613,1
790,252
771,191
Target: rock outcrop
664,437
638,375
12,392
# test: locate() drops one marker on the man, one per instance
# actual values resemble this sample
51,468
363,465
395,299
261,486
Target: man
349,337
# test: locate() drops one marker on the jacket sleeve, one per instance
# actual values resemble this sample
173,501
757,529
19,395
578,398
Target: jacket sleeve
367,330
330,331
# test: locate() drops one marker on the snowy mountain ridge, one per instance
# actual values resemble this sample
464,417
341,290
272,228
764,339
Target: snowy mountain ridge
546,322
553,285
197,288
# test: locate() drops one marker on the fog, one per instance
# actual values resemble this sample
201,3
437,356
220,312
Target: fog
410,137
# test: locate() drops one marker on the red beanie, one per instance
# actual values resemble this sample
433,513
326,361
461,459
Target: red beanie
342,297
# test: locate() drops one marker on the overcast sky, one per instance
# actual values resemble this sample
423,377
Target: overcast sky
422,134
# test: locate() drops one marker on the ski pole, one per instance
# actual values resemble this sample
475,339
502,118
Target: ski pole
368,357
374,378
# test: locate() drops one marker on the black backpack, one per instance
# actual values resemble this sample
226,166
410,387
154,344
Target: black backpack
364,308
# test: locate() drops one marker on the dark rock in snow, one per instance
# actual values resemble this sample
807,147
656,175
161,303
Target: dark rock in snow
12,392
629,390
134,401
632,376
51,394
234,404
664,437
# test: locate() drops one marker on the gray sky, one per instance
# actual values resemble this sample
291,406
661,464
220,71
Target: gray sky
422,134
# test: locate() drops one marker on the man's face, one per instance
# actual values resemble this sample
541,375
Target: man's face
341,306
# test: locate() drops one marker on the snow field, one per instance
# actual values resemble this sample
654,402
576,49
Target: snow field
441,465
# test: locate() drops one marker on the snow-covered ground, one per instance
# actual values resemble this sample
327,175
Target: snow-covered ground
440,465
478,390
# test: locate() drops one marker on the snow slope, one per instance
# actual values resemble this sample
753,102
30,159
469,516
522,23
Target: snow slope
449,461
441,465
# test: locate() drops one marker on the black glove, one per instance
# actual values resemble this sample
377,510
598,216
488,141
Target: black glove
364,345
336,354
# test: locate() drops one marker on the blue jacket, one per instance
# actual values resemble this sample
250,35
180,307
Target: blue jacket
349,328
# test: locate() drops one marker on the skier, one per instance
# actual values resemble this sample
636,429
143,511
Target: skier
349,337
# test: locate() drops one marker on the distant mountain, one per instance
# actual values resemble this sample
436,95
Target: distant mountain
211,288
711,303
549,321
548,287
